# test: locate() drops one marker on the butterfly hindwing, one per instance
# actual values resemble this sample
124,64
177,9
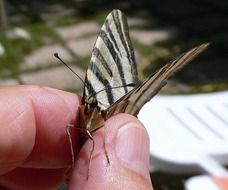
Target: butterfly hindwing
133,101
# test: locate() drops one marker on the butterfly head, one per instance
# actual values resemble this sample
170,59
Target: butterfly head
90,101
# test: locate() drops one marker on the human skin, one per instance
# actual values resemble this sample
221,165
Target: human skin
35,152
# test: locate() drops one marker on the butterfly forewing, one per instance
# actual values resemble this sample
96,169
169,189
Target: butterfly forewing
133,101
112,63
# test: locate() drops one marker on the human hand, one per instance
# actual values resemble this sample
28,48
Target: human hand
35,152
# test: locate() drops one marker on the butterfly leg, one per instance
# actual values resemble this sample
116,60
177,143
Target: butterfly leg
91,152
71,145
105,149
70,142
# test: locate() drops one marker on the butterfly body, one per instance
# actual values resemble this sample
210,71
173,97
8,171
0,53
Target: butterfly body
91,116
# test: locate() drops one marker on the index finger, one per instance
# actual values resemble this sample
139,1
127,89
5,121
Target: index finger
33,124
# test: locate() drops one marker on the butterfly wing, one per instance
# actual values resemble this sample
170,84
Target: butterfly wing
132,102
112,63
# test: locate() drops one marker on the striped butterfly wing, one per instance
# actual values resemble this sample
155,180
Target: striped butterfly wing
112,63
132,102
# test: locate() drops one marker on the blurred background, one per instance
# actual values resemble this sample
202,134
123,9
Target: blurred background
32,31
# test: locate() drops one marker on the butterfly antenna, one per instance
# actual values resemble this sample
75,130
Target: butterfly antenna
57,56
130,85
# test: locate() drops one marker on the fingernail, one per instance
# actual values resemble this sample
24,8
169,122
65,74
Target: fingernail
133,148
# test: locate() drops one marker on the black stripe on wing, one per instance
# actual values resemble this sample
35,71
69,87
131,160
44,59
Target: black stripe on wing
120,22
123,31
106,85
96,52
89,88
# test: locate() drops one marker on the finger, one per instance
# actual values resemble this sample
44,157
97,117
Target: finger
36,179
33,126
127,144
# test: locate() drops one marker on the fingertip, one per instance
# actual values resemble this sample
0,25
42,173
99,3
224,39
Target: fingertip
132,148
221,181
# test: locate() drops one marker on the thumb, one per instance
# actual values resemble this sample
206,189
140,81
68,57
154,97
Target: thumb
127,145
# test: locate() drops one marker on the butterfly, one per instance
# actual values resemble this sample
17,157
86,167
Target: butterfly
111,83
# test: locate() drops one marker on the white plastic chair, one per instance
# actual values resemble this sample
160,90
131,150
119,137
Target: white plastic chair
207,183
188,133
